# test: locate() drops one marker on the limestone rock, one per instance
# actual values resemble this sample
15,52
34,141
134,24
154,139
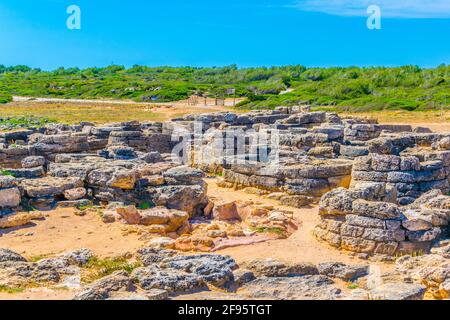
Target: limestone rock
275,268
183,175
9,198
33,162
292,288
342,271
19,219
213,269
103,288
130,214
336,202
75,194
49,186
7,255
398,291
153,277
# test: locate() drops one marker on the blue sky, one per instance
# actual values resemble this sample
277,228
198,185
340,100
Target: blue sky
213,33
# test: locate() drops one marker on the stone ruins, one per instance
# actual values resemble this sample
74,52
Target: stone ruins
382,190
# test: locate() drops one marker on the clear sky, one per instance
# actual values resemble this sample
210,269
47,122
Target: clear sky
223,32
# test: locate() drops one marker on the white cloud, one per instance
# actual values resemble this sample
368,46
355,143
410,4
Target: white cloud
389,8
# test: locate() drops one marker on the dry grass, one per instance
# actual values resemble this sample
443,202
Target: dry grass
406,117
434,120
99,113
71,112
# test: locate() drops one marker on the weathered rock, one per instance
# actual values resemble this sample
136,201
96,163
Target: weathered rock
33,162
172,219
171,280
49,186
183,175
130,214
214,269
292,288
243,276
398,291
342,271
149,256
275,268
103,288
19,219
381,210
336,202
75,194
191,199
7,255
9,198
7,182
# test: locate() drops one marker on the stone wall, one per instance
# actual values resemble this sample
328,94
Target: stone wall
361,220
411,175
300,184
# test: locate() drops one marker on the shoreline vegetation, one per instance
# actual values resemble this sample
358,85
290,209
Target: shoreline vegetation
343,89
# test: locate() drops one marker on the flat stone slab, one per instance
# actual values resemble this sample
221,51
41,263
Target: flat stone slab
50,186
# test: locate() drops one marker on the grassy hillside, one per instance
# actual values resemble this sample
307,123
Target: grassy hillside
346,89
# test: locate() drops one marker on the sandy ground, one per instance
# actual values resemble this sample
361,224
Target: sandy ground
435,127
62,230
301,246
106,111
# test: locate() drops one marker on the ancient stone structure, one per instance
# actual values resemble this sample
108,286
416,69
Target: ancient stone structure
371,177
366,220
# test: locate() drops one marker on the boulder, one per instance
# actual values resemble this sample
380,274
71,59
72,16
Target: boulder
103,288
19,219
191,199
336,202
33,162
212,269
7,182
171,280
171,219
9,198
130,214
49,186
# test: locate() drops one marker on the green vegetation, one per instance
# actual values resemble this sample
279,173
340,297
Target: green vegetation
345,89
25,204
24,122
5,97
10,290
278,231
38,257
145,205
353,286
84,207
97,268
6,173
